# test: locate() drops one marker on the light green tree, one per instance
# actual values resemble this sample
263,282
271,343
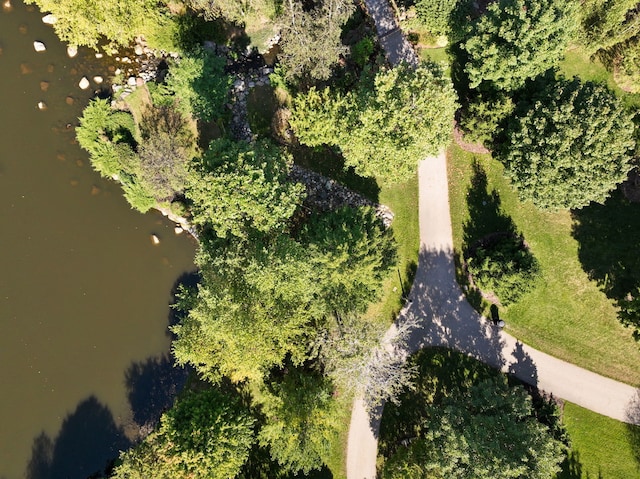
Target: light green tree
256,304
85,22
302,419
237,188
572,146
518,39
352,253
486,432
386,126
206,434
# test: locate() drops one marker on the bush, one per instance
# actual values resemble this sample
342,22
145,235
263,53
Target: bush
504,266
483,118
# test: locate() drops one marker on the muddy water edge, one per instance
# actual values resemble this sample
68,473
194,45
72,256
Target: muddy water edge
84,294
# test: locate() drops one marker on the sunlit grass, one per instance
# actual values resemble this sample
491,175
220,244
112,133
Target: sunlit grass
565,314
602,448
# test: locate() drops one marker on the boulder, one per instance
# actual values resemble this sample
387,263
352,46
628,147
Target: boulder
72,51
84,83
49,19
39,46
42,105
178,230
98,79
131,81
138,50
155,239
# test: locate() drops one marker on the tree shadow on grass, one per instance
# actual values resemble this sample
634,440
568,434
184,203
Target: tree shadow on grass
485,210
633,431
87,443
609,238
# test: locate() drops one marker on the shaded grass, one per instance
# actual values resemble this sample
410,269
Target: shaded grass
565,314
601,447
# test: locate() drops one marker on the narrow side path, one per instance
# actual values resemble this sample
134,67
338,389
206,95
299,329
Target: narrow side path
447,319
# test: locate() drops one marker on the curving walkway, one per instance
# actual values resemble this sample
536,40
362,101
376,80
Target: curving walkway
447,319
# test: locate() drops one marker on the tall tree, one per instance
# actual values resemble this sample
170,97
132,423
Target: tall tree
571,146
311,45
237,188
256,304
207,434
486,432
518,39
85,22
302,419
167,147
387,125
352,252
606,23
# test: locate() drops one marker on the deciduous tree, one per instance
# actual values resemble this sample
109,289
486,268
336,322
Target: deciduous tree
486,432
207,434
302,419
237,188
387,125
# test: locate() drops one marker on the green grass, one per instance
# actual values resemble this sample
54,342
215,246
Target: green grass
437,55
577,63
565,314
602,448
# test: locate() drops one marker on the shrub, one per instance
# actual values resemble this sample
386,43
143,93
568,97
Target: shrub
504,266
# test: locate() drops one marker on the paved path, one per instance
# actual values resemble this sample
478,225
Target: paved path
447,319
396,47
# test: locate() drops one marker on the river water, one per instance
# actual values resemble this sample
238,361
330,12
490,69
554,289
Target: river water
84,294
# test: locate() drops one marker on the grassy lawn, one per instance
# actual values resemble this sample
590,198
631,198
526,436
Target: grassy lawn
602,448
566,314
577,63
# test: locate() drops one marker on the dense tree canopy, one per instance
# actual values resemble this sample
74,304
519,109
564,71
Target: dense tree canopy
302,420
237,188
85,22
486,432
387,125
311,45
571,146
606,23
207,434
518,39
256,304
351,251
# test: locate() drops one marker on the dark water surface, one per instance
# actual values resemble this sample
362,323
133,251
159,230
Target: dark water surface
84,294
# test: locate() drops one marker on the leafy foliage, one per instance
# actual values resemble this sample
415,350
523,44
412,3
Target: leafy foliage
435,15
627,65
572,146
255,305
504,267
85,22
198,85
167,147
302,420
606,23
384,128
518,39
483,117
241,12
352,252
486,432
237,188
207,434
108,136
311,44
